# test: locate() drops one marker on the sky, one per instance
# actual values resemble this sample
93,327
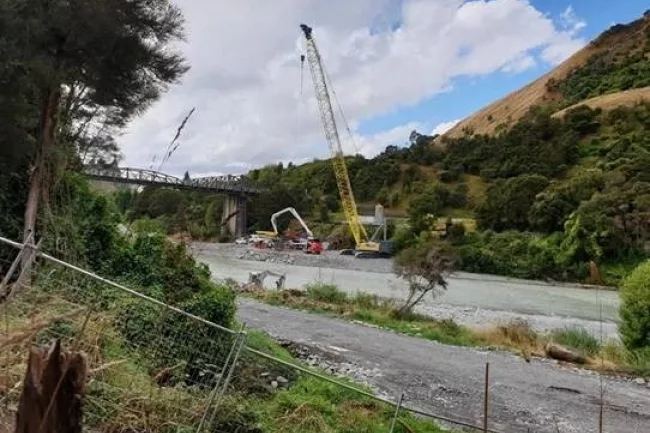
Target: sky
395,66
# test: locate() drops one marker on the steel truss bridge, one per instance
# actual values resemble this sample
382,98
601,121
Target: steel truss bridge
231,185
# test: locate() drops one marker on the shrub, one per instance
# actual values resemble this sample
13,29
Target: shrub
326,293
635,308
147,225
172,338
426,268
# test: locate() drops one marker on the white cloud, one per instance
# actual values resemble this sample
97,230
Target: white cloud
245,77
570,21
443,127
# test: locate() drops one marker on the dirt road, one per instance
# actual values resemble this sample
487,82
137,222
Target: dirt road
525,397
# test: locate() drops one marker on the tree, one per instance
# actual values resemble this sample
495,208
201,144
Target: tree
635,308
508,202
428,204
91,63
426,269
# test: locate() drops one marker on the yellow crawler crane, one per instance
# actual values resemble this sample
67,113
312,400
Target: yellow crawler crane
365,247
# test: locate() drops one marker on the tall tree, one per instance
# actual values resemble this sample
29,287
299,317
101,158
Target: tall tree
92,64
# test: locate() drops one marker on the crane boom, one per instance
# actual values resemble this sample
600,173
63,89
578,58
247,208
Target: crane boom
333,138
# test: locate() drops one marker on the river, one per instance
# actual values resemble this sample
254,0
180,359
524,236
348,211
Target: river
467,295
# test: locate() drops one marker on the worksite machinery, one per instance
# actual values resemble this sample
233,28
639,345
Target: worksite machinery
365,246
310,246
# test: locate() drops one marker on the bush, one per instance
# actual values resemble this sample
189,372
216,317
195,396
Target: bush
172,338
635,308
515,254
147,225
326,293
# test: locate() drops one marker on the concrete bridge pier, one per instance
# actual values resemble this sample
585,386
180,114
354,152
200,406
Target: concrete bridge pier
233,220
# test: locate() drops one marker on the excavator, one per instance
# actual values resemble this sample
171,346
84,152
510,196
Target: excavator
313,246
365,246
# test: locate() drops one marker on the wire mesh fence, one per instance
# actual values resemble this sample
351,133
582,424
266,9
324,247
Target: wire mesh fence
149,366
154,367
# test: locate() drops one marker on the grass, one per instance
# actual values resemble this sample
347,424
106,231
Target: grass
578,338
516,336
124,392
327,298
313,405
326,293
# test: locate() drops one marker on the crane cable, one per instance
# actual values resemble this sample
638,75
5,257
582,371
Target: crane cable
340,109
336,100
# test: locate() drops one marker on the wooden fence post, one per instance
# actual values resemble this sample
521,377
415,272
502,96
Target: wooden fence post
51,399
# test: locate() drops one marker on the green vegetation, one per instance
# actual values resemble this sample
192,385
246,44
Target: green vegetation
578,338
326,293
602,75
369,309
171,211
635,309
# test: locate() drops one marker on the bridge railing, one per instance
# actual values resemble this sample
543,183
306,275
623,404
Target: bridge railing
138,176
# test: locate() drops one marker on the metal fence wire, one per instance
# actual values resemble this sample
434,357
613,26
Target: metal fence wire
151,366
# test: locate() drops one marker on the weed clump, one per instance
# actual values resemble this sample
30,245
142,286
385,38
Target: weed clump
577,338
326,293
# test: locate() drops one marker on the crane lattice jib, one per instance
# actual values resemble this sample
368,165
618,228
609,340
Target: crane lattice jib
333,138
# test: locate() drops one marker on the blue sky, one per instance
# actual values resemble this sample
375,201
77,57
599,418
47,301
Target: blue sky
471,94
396,65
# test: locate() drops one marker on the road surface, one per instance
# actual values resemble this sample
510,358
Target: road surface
538,396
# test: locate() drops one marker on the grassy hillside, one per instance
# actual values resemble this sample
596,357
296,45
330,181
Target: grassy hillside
615,61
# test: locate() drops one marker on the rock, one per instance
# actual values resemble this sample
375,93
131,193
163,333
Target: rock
265,374
562,353
639,381
282,380
274,384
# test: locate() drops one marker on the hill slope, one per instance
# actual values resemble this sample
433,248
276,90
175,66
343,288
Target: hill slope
611,49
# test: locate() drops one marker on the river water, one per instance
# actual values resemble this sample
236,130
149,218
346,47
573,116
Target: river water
466,291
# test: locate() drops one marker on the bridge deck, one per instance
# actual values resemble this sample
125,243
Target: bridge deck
136,176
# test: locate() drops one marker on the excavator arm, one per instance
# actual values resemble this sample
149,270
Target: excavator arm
295,214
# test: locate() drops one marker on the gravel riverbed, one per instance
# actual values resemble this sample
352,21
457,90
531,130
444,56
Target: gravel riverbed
472,300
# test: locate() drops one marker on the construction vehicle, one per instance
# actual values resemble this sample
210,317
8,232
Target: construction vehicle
310,246
365,247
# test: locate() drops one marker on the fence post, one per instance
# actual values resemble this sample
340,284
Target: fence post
241,340
397,408
486,397
12,269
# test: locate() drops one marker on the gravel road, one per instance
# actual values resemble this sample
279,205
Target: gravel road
539,396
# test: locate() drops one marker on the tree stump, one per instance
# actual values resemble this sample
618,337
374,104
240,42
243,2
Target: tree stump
51,399
562,353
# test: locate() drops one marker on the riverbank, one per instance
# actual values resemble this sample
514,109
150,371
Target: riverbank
474,300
